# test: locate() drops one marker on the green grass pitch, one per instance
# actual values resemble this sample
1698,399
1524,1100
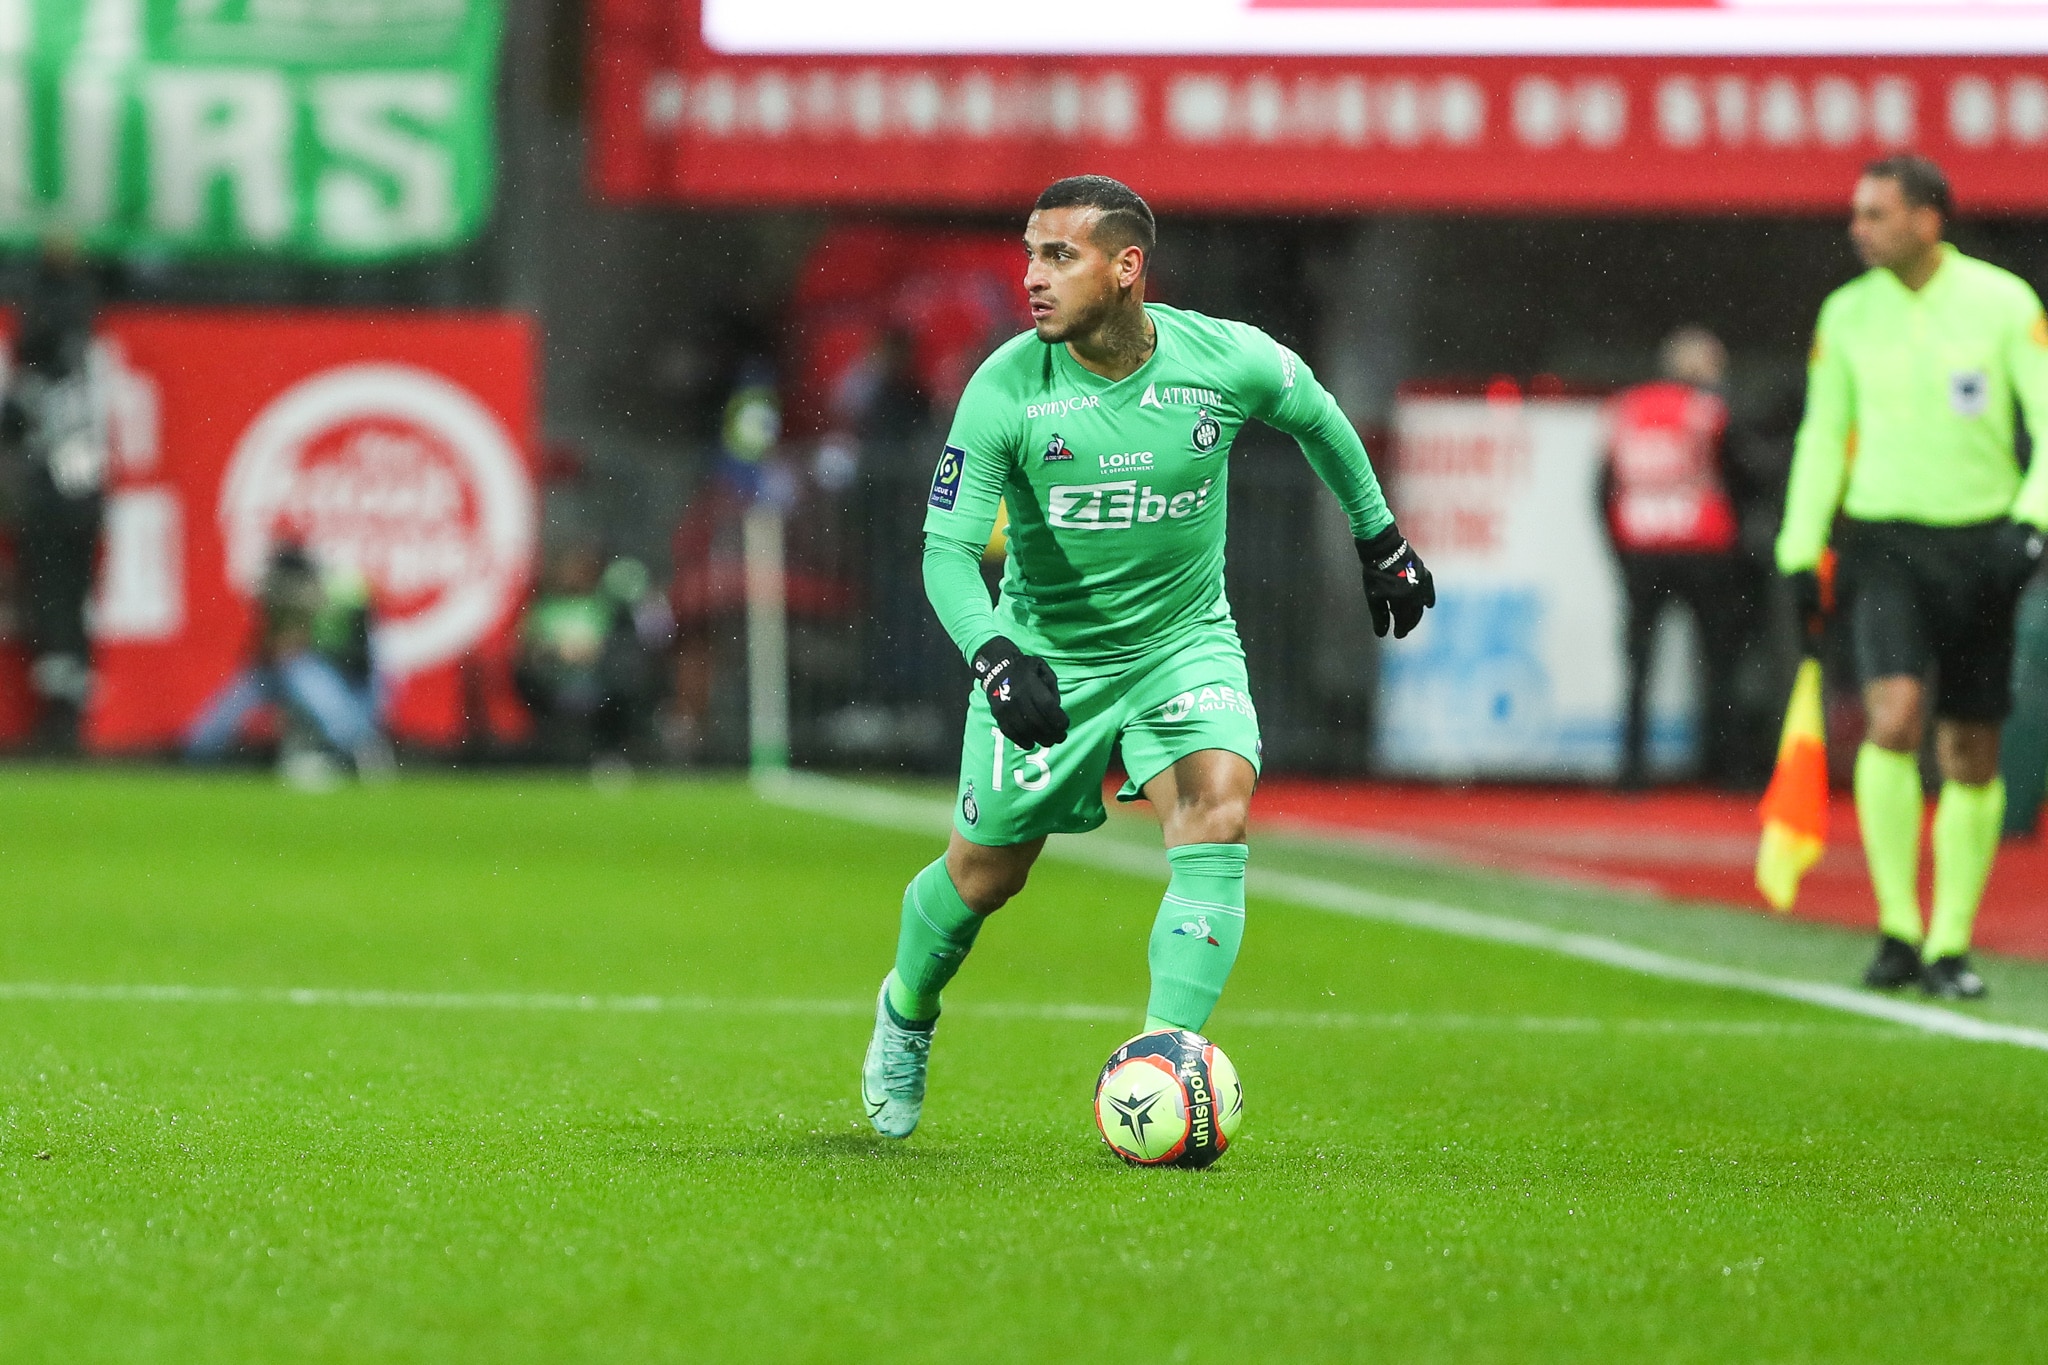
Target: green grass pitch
1453,1150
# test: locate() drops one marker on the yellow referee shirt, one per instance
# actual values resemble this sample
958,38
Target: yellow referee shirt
1909,406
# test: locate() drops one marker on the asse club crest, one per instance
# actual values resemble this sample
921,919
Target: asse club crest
1207,434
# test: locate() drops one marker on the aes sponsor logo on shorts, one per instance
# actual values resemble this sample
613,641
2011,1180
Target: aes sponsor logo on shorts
946,480
1119,506
1210,700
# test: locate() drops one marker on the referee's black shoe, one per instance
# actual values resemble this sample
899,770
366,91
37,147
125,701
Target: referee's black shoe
1952,978
1897,964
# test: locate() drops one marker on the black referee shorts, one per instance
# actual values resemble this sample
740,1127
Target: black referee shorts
1921,597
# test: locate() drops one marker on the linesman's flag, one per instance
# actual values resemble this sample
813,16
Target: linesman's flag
1795,807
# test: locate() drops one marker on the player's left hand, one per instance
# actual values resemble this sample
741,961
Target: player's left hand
2020,546
1397,584
1023,693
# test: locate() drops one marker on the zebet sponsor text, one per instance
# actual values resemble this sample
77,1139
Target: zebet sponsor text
1119,506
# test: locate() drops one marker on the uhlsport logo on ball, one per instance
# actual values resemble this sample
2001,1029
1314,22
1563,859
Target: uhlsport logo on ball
401,475
1168,1098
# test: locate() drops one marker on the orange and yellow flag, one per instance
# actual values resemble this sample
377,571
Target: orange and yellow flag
1795,807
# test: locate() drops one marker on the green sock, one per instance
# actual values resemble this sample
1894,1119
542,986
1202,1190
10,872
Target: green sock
1195,939
1888,808
1967,822
937,931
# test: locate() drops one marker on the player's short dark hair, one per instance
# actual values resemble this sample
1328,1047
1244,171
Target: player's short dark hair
1126,219
1921,183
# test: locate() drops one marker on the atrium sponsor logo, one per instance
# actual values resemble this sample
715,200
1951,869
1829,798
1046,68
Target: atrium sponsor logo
1179,396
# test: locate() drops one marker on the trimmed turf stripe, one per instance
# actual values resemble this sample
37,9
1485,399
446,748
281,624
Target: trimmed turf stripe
864,804
546,1002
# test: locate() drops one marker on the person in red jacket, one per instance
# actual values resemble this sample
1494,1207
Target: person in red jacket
1674,528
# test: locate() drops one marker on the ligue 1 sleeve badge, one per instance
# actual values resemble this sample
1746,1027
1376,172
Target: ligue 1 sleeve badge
1207,434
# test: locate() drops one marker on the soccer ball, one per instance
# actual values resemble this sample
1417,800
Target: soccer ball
1168,1098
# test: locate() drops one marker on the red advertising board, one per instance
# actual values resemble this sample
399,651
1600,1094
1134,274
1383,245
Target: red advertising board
396,444
1699,107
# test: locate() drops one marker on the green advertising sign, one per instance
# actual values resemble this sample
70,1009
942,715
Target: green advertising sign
339,130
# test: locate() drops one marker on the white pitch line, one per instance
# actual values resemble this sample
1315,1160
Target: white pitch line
864,804
550,1002
348,998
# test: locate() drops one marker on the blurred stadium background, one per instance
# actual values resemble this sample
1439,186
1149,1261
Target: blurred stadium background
508,326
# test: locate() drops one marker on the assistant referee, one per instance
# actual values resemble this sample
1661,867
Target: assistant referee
1908,433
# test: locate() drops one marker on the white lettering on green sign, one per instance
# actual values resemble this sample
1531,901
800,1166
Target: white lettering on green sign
333,129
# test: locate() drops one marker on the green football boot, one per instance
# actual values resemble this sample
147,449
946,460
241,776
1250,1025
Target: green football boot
892,1077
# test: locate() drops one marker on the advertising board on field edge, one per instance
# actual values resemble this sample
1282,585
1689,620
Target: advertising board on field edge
1518,672
398,445
1270,106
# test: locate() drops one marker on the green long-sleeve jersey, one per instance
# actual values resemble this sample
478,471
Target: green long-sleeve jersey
1116,490
1909,406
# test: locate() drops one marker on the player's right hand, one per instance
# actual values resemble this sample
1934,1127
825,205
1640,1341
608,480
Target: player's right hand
1809,601
1023,693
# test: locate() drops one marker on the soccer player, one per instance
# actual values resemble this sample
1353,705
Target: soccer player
1107,432
1909,434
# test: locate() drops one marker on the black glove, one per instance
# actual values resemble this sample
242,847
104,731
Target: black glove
1809,607
1023,693
1397,586
2020,547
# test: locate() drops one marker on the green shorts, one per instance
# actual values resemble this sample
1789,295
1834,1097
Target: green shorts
1188,697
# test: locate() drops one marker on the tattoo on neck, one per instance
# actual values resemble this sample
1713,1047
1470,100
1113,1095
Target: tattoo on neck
1128,340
